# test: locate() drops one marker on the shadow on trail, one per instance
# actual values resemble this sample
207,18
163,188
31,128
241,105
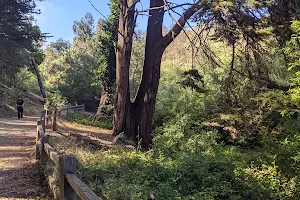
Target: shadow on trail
30,186
13,154
20,174
16,140
28,122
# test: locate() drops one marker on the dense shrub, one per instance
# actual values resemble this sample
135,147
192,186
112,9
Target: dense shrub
187,163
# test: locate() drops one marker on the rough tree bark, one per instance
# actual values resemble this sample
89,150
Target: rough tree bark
140,113
39,78
135,119
123,54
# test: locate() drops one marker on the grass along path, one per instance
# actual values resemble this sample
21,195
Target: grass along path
103,136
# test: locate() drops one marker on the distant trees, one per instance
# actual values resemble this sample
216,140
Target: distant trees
80,69
68,68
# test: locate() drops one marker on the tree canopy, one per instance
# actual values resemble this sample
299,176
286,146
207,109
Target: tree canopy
18,35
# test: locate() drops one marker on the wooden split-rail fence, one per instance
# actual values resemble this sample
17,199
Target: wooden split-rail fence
67,185
52,112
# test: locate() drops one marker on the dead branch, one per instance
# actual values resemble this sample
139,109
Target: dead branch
178,27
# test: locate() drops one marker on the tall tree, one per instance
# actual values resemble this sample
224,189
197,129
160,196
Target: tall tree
232,21
84,29
17,34
135,118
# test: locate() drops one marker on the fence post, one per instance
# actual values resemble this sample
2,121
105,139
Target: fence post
54,125
37,138
44,156
47,116
67,164
43,115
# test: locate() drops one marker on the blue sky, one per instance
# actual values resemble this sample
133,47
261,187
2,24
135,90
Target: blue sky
58,16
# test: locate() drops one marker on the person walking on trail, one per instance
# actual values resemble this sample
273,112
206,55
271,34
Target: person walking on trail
20,103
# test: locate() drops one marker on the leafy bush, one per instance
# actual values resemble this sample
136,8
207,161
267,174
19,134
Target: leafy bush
186,162
26,80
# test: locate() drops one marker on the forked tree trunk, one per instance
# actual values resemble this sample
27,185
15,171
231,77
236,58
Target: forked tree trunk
139,122
135,119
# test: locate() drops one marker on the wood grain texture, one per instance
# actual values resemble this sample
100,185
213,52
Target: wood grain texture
81,189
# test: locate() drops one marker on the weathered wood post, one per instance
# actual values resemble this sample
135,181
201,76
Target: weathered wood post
54,125
37,138
43,116
48,117
67,164
44,156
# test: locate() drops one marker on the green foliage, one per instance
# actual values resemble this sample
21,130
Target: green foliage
240,139
105,39
105,122
187,163
286,103
68,69
136,63
83,29
19,36
26,80
77,71
292,49
77,78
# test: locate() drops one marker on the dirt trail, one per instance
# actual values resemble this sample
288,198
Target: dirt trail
19,174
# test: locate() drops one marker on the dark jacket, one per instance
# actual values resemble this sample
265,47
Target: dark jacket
20,102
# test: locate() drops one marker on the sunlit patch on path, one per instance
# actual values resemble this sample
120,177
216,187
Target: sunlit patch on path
19,176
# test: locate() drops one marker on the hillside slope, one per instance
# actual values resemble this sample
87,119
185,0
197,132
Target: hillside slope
32,102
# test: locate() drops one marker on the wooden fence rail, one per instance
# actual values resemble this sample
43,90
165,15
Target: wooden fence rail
68,186
52,112
67,109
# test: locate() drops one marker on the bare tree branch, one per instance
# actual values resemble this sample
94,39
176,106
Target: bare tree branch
178,5
168,10
98,11
180,23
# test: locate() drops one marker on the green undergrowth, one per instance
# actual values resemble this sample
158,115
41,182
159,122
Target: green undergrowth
105,122
187,163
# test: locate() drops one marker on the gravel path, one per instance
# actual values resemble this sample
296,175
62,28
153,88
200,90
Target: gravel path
19,174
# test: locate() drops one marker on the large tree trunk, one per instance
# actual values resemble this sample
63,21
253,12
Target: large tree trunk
135,119
102,102
123,54
139,122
